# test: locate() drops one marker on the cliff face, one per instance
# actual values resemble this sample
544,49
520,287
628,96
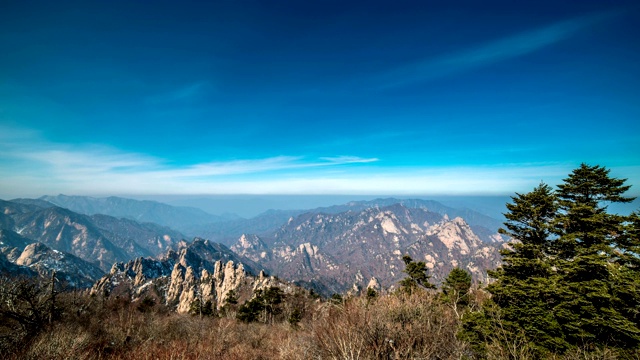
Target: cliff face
202,270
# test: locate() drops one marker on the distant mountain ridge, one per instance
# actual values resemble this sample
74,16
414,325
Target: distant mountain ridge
269,221
472,217
333,252
227,232
98,239
175,217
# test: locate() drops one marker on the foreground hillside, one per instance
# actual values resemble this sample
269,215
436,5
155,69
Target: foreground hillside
421,325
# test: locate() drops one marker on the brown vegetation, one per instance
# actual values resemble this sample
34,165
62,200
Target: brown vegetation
420,325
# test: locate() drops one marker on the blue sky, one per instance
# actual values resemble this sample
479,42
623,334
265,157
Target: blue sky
324,97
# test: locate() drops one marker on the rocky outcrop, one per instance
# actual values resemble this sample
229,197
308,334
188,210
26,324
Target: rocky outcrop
201,270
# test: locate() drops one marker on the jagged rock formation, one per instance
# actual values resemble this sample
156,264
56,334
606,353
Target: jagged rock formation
374,284
340,252
202,270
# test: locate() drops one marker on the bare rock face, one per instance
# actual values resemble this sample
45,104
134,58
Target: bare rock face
374,284
202,270
43,260
252,247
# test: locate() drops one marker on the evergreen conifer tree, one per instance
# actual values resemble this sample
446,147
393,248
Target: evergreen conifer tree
525,285
418,275
571,277
592,307
455,289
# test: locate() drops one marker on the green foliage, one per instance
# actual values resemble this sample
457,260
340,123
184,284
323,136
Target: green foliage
336,299
455,289
146,304
200,309
207,309
295,317
313,295
263,307
250,311
589,306
371,294
231,298
571,277
418,275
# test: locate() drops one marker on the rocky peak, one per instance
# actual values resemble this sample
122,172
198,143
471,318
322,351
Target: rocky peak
43,260
251,246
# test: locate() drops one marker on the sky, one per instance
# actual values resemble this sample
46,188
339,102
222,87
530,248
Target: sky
315,97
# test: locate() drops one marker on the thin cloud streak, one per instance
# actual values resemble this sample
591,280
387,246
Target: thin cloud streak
492,52
182,94
30,162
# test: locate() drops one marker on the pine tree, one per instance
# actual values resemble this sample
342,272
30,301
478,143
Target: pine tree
418,275
592,306
525,284
264,306
455,289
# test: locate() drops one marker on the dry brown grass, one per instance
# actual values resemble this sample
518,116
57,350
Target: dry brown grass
397,326
392,327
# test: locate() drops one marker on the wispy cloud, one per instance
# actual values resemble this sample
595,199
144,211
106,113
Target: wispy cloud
499,50
182,93
238,167
29,162
338,160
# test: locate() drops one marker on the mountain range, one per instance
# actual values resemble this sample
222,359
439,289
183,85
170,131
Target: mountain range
263,224
336,252
334,249
175,217
98,239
